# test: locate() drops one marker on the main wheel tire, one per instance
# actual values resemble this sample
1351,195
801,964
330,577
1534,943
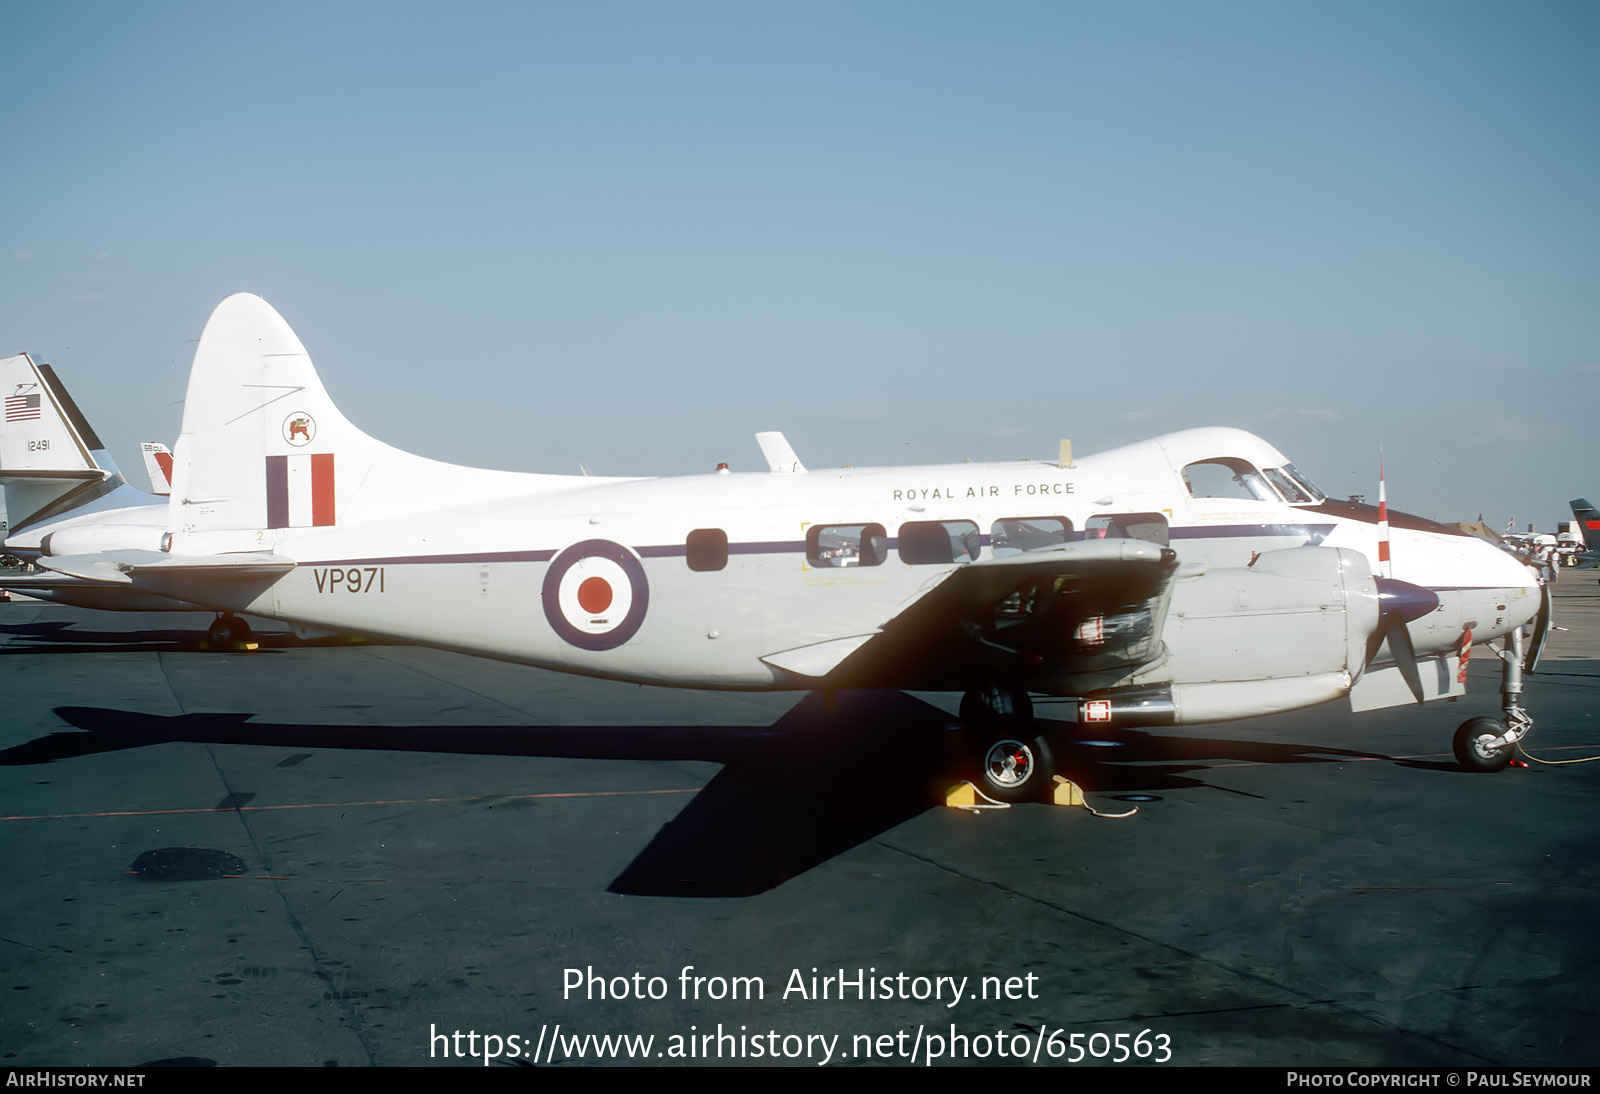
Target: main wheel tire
1013,767
229,630
1471,748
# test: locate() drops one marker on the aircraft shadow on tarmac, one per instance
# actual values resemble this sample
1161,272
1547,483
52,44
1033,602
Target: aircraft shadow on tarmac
67,636
789,796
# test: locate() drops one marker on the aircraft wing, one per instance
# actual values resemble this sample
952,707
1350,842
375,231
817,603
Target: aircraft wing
1037,617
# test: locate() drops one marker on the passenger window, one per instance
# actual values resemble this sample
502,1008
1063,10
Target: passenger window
1013,535
1226,478
839,545
706,549
1150,527
925,542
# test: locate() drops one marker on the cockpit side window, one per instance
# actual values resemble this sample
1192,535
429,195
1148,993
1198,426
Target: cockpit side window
1292,472
1291,491
1225,477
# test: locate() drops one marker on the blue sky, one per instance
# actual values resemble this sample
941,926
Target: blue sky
632,234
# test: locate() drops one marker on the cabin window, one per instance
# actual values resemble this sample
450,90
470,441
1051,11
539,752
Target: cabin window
1150,527
840,545
1226,478
706,549
1013,535
925,542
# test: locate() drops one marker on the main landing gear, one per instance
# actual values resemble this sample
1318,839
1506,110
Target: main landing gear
1009,759
1486,744
228,631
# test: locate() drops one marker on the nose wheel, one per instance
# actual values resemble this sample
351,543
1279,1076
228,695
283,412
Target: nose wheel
1486,744
1479,745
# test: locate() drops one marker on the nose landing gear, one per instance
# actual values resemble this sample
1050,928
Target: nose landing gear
1486,744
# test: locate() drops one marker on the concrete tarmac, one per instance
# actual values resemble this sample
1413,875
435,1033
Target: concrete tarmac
321,854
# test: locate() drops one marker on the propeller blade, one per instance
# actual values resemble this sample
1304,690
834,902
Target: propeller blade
1394,632
1541,631
1402,602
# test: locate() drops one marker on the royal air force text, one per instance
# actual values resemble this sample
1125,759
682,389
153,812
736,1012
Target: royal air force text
949,493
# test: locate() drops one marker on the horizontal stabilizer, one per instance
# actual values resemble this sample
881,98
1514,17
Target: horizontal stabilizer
139,567
51,474
99,595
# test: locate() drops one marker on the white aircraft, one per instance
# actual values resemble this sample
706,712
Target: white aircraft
59,479
1196,577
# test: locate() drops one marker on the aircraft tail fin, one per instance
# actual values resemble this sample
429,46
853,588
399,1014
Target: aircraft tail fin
264,449
158,465
1588,519
51,460
261,443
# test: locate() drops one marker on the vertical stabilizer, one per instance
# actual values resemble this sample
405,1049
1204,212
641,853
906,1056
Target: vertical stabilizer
1588,522
262,445
158,465
263,449
50,459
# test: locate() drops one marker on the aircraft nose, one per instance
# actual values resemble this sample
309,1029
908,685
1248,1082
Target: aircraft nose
1464,563
1504,571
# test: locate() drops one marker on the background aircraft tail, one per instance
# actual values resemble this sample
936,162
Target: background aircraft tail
263,448
51,461
1588,519
158,465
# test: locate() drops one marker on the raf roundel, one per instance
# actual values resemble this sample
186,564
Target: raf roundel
595,595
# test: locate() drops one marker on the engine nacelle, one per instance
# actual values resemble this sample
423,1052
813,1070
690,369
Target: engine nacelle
1289,631
1298,612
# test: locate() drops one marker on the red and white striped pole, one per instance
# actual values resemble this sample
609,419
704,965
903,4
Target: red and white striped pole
1383,522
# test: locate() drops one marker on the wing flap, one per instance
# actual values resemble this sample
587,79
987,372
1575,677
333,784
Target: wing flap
817,659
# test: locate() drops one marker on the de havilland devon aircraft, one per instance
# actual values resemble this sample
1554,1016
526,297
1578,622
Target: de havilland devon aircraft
1196,577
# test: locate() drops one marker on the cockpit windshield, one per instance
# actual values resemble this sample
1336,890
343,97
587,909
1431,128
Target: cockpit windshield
1295,487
